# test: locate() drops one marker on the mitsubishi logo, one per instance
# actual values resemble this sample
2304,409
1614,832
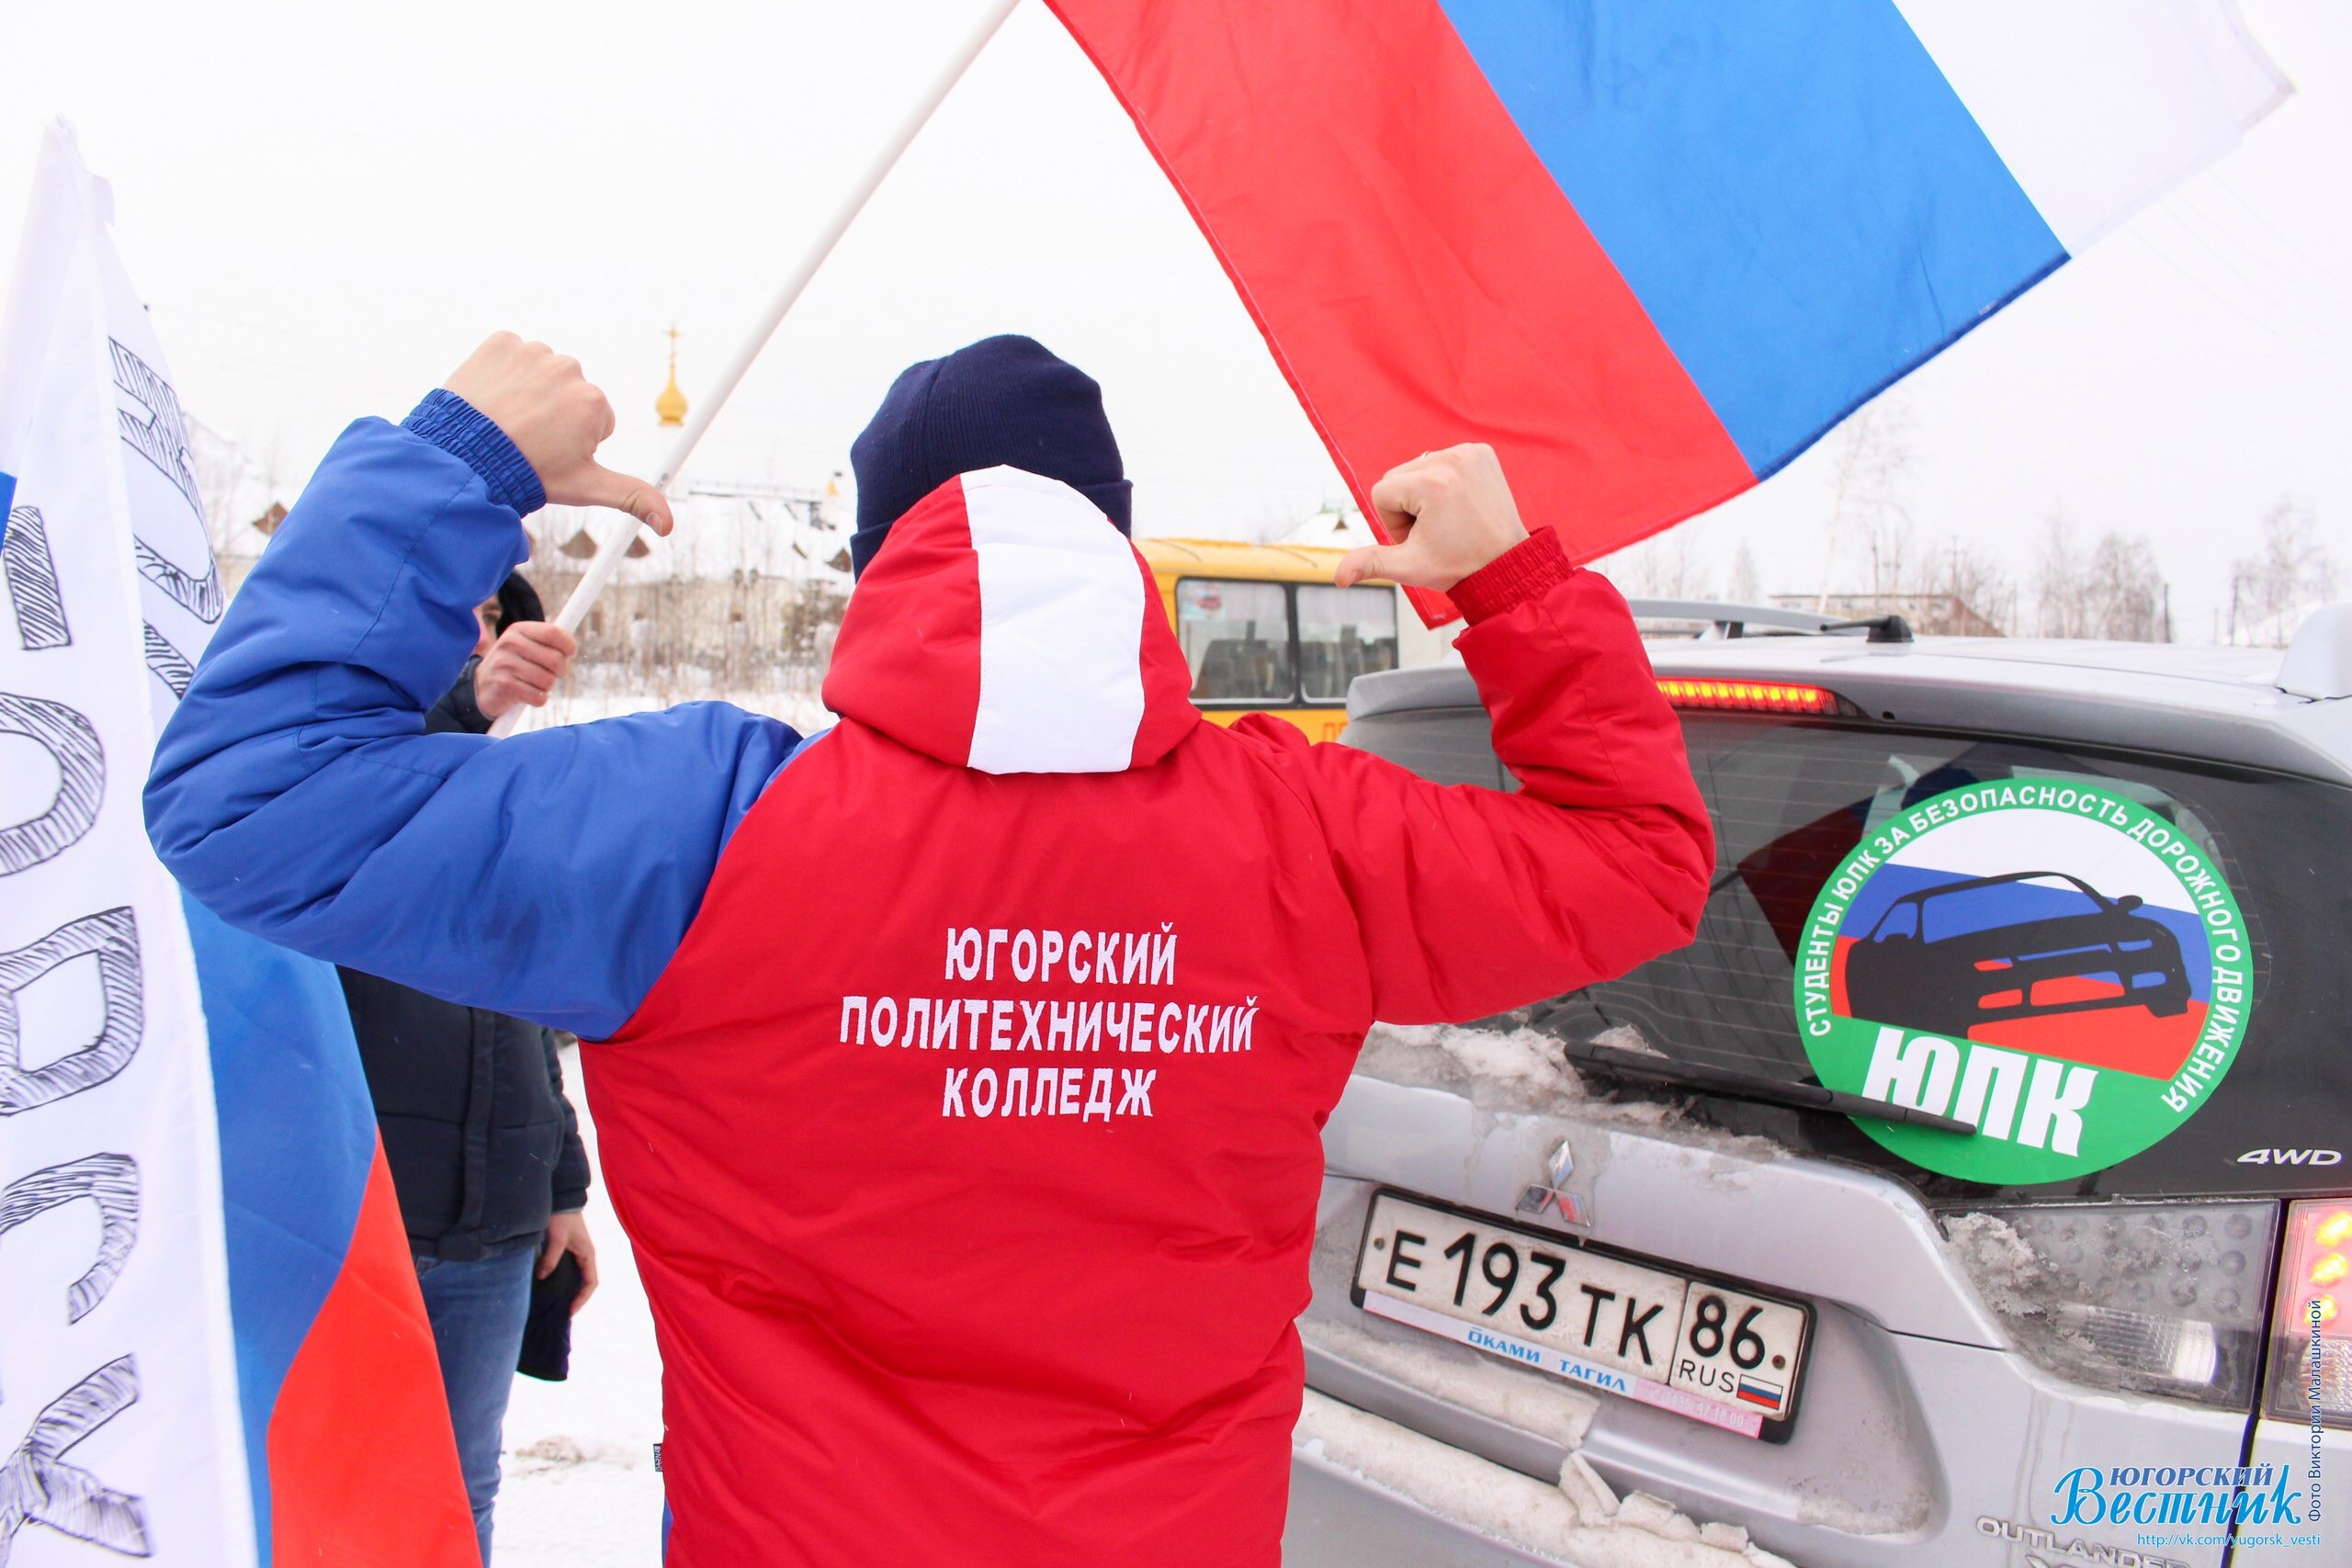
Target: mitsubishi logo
1552,1193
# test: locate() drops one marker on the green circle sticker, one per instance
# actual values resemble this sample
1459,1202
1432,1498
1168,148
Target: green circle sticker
2049,962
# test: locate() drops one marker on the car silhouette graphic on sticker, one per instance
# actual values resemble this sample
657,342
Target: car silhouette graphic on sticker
2027,944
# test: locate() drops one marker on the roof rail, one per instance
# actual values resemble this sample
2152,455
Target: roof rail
1733,620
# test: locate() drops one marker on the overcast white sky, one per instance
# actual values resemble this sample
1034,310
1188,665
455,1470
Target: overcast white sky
328,206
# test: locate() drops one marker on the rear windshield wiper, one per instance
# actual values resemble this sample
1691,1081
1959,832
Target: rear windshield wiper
1755,1087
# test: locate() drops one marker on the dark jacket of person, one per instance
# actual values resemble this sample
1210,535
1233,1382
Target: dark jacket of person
482,1145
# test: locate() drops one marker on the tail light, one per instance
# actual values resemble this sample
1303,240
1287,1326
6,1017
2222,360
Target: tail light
1753,696
2311,1347
2148,1298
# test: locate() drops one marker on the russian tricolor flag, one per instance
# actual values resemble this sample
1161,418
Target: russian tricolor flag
349,1455
1651,250
213,1347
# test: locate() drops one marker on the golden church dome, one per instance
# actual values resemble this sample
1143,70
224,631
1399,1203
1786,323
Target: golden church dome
671,406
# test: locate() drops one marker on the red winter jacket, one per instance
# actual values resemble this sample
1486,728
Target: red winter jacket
964,1064
969,1143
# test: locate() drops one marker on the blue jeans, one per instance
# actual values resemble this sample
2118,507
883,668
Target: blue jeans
476,1310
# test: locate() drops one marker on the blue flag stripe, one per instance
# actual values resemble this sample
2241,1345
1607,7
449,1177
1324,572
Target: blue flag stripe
298,1136
1795,194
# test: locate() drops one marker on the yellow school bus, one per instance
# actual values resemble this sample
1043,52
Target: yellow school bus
1265,631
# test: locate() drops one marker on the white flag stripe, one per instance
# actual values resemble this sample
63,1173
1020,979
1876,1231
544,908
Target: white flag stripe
2100,106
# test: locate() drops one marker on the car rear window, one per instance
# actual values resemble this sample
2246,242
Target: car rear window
1447,746
1790,800
1789,803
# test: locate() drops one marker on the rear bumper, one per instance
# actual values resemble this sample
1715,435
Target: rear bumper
1993,1434
1366,1491
1337,1520
1935,1444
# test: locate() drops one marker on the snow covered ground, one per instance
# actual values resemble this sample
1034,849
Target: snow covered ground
581,1490
599,693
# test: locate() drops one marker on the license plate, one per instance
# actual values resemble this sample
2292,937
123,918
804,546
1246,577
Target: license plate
1714,1352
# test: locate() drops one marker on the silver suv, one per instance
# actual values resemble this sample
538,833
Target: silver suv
1973,1190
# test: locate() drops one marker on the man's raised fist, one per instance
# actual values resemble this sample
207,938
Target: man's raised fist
1449,512
556,420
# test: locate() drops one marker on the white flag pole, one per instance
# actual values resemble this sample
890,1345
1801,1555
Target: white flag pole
610,552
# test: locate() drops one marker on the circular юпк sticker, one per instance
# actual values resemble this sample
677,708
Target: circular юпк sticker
2053,963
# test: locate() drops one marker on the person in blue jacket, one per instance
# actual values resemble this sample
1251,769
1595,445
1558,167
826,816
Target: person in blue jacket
297,794
549,875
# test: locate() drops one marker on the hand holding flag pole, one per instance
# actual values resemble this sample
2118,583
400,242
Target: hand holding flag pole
610,552
1448,513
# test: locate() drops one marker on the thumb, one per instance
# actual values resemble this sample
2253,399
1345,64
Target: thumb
550,1253
1394,563
600,486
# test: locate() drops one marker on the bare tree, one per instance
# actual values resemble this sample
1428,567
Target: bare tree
227,480
2126,593
1869,515
1977,590
2113,590
1742,587
1672,565
2270,592
2057,581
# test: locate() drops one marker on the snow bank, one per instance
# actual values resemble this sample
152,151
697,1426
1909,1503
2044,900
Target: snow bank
594,693
2027,1296
1998,1259
1579,1521
1525,1070
1520,1070
2046,1305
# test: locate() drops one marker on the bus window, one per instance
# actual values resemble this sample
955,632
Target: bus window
1236,639
1343,633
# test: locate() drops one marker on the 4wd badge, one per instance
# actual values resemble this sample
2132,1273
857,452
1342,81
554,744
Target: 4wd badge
2051,961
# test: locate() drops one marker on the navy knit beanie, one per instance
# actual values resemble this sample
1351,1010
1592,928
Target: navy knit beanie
1004,399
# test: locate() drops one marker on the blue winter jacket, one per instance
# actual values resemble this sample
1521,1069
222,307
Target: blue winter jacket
296,792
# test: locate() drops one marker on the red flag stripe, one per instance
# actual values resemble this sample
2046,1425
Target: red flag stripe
363,1465
1415,269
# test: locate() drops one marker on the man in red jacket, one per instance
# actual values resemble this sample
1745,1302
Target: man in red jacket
961,1066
